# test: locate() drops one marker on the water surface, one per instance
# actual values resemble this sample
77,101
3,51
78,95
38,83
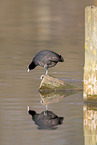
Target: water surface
27,27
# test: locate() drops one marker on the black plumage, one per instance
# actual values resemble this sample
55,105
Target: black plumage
46,59
46,119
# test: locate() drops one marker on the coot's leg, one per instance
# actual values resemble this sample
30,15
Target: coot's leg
46,107
45,112
46,71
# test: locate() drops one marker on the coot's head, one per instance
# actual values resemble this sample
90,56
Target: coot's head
31,112
31,66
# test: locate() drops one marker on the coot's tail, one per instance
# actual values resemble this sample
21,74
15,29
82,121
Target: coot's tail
61,58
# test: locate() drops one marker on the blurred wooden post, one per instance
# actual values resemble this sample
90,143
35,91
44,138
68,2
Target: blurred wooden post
90,124
90,68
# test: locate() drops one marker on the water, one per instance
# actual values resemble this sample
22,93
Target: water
27,27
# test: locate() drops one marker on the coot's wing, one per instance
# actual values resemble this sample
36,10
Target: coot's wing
56,58
47,58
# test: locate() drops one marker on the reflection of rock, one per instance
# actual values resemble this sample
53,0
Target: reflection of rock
90,124
51,98
46,119
54,97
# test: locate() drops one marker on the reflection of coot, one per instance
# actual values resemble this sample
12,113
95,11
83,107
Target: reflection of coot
46,59
46,120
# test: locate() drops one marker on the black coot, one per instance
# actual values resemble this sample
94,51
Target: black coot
46,59
46,119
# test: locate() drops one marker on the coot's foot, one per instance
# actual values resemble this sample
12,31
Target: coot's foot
41,77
